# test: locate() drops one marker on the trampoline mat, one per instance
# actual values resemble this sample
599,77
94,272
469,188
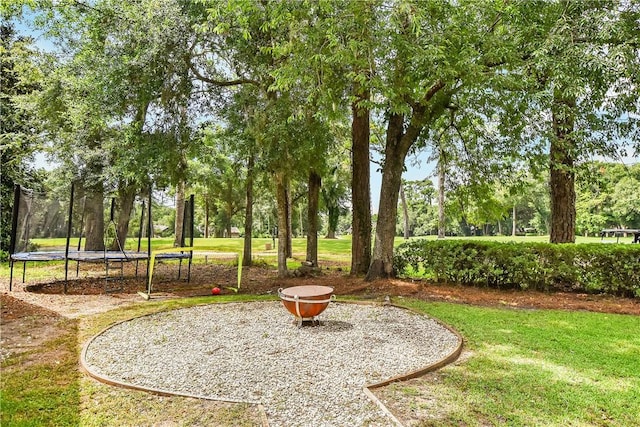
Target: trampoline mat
86,256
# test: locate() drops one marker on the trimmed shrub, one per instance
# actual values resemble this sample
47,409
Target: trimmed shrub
590,268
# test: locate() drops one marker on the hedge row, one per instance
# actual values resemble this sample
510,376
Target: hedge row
590,268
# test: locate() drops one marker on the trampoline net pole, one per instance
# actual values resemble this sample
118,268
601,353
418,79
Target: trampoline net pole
66,248
14,230
191,231
14,219
183,234
140,228
149,239
84,205
10,274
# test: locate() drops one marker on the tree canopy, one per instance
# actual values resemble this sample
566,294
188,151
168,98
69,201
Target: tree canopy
224,96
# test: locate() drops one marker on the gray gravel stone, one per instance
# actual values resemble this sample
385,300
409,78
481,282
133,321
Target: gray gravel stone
254,352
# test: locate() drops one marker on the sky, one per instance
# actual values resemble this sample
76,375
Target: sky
417,167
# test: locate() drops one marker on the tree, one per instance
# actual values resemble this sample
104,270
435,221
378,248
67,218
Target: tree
130,58
332,56
607,197
20,75
78,128
436,52
580,68
335,192
250,37
421,215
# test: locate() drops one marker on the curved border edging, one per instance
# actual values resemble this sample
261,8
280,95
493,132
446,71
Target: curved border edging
452,357
367,389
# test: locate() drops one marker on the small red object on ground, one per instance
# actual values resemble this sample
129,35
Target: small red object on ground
215,291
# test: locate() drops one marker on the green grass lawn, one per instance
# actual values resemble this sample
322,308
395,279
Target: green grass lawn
540,367
340,246
524,368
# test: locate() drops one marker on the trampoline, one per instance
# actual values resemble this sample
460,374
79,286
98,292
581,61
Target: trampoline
31,216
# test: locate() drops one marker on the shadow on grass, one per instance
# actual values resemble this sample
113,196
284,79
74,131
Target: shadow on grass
42,386
536,367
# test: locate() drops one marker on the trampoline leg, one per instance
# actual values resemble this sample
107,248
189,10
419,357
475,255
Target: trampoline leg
24,270
179,268
11,275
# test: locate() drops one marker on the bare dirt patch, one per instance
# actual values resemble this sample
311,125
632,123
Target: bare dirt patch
26,326
345,284
87,295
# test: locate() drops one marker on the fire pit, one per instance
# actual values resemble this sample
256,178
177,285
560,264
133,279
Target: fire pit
306,302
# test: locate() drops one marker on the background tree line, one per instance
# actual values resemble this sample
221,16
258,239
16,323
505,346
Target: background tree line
606,197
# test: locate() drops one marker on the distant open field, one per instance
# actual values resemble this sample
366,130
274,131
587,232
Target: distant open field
326,247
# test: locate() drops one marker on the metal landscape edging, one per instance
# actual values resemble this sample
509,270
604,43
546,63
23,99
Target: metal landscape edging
367,389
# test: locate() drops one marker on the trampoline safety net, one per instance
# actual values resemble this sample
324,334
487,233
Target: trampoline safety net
38,216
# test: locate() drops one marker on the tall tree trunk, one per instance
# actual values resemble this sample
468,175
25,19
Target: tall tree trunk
94,218
360,185
514,222
312,218
180,189
206,216
126,199
464,225
562,175
248,215
300,222
217,231
441,194
126,191
229,208
405,211
289,218
395,152
399,138
333,213
281,201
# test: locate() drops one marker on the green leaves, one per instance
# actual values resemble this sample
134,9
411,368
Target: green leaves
593,268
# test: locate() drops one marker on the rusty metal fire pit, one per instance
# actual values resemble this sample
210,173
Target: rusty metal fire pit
306,302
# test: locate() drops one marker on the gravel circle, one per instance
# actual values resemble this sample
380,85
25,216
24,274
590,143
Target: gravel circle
254,352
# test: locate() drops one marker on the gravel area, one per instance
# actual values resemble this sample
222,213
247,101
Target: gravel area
254,352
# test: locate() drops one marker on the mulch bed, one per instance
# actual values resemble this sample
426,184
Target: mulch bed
261,280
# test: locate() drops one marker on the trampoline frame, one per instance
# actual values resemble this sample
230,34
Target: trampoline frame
106,256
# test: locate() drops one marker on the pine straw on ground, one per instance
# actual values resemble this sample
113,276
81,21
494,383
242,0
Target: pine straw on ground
263,280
